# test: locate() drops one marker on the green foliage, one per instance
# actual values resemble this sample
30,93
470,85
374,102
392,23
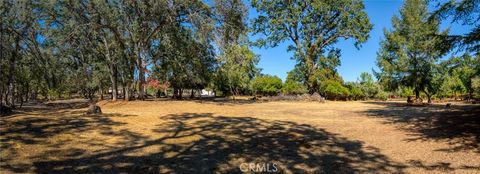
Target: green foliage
334,90
232,20
476,86
186,62
410,51
64,47
294,83
368,86
355,89
452,86
293,87
457,76
266,85
381,95
313,27
295,75
404,92
237,68
53,94
464,12
237,63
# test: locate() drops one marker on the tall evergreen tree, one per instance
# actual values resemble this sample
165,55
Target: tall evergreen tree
410,52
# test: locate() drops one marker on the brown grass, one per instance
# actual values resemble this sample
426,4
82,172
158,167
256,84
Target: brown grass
216,137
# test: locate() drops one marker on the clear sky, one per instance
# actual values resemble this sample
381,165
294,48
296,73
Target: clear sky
277,61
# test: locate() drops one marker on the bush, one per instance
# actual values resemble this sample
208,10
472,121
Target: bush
292,87
267,85
335,90
356,93
381,95
53,94
368,86
303,97
355,89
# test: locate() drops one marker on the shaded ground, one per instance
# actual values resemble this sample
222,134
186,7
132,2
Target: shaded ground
460,124
217,137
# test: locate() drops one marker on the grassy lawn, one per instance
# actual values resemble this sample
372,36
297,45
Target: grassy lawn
217,137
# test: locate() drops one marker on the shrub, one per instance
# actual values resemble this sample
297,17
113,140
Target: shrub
356,93
53,94
302,97
267,85
335,90
381,95
292,87
368,86
355,90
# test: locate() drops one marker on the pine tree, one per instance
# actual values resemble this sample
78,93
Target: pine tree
410,51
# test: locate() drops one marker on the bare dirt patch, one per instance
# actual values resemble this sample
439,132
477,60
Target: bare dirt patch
216,137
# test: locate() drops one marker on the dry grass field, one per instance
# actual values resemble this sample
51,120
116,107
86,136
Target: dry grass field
216,137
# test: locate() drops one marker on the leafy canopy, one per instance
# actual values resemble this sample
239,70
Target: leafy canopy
312,26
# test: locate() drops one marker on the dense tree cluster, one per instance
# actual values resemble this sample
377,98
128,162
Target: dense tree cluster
135,49
54,49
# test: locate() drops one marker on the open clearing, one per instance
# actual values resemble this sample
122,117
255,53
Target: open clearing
216,137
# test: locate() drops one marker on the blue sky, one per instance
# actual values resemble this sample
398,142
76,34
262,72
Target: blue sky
277,61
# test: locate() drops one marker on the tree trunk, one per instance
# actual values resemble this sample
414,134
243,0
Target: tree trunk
177,93
101,94
22,95
313,88
174,95
233,93
192,94
429,96
180,93
141,72
199,94
1,62
112,69
1,95
417,95
127,92
113,80
11,81
27,91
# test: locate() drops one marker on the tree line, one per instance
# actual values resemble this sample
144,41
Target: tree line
134,49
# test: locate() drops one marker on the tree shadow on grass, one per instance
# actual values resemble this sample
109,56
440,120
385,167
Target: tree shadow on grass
38,126
458,125
203,143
